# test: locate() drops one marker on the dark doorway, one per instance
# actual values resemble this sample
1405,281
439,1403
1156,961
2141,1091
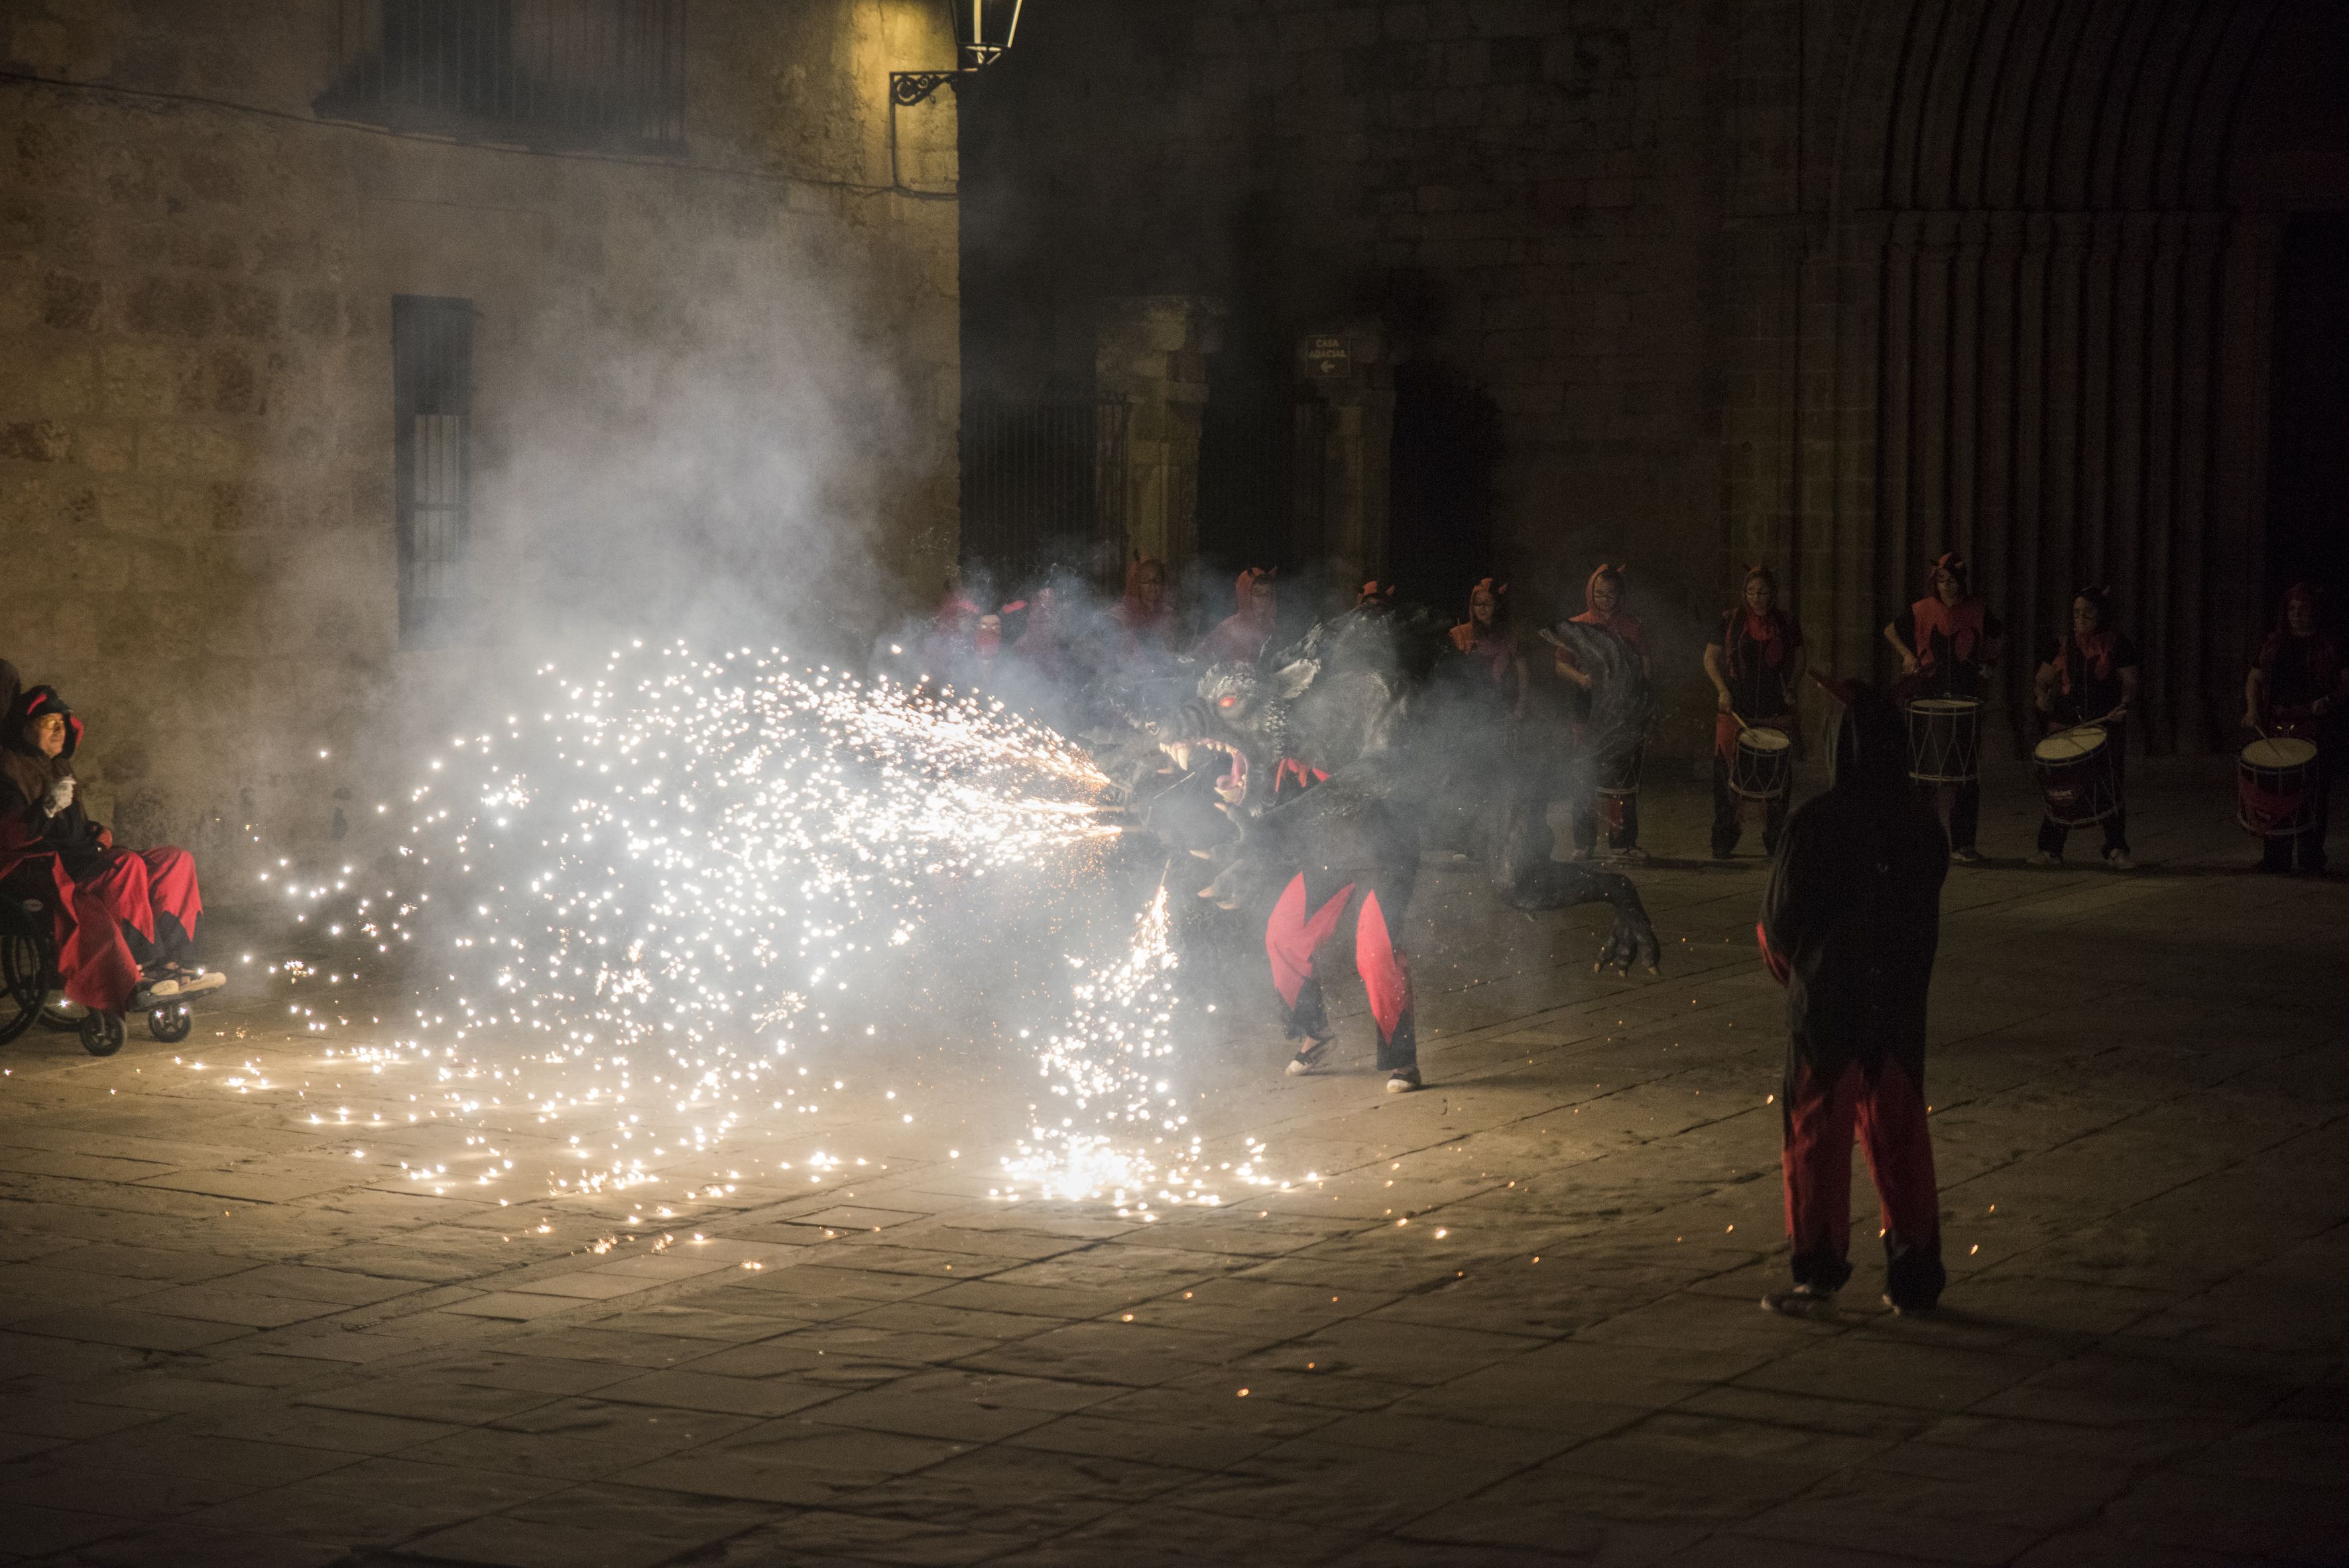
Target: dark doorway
1441,501
1248,438
2308,479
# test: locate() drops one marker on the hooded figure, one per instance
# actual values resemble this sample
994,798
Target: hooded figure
1485,638
1615,797
1240,637
125,922
1849,925
2299,686
1945,641
1752,664
1146,621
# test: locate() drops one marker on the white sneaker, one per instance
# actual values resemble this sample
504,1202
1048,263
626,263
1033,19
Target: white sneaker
1306,1060
1402,1081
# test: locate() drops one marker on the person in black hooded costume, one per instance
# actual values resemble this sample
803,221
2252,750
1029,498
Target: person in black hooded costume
1849,924
126,920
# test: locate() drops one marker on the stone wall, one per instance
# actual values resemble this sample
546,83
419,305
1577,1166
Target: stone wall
712,390
1829,284
1525,193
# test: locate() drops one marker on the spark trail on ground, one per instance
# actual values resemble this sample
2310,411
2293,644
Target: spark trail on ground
635,898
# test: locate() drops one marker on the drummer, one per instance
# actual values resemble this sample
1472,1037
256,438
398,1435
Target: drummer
2299,686
1753,666
2090,678
1946,640
1602,605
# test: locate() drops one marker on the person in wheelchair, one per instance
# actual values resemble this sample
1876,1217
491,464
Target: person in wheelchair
126,919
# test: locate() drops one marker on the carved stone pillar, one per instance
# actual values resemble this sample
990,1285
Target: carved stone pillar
1347,371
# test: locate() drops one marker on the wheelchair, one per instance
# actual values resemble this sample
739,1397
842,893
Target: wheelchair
30,986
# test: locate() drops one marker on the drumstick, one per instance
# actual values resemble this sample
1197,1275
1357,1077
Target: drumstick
1740,718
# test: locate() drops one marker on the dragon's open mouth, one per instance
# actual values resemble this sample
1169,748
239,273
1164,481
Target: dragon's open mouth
1186,756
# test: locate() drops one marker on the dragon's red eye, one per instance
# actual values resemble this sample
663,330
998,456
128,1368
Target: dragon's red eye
1226,702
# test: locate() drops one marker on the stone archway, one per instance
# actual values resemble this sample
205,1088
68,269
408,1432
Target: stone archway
2052,261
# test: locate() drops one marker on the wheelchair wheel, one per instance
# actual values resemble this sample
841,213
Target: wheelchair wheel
102,1034
170,1025
24,974
64,1017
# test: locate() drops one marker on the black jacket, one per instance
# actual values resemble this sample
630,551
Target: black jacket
1852,915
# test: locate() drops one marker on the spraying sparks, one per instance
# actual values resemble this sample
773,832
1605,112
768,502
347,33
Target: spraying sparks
1109,1060
631,905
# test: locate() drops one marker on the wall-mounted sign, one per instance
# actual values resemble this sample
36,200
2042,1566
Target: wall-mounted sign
1327,357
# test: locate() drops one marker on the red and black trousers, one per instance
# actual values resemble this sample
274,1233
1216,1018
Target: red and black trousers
1883,1105
1308,915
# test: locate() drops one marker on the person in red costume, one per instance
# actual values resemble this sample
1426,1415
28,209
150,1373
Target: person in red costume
1752,664
1946,641
2090,678
125,921
1145,620
2299,686
1602,605
1240,637
1849,926
1485,637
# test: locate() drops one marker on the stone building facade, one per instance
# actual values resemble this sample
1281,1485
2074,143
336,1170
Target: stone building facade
1830,284
349,356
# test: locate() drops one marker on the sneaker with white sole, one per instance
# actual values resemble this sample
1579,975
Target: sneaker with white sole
1799,1301
2046,858
1911,1309
1306,1060
2119,861
1402,1081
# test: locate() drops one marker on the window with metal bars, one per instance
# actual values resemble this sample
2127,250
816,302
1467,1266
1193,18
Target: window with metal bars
606,74
433,403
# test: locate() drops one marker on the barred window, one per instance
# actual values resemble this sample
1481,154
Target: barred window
433,402
606,74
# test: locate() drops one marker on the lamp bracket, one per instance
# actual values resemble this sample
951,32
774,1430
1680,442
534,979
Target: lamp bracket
910,87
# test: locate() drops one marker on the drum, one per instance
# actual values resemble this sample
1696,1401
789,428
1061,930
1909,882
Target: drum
2074,768
2275,787
1944,733
1761,765
1620,777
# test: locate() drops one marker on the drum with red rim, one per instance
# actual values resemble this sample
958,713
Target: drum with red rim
2074,770
2275,786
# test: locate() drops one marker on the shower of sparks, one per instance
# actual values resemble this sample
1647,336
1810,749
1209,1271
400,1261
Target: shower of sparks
1109,1061
628,905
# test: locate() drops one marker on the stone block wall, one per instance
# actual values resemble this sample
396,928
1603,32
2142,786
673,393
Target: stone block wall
713,392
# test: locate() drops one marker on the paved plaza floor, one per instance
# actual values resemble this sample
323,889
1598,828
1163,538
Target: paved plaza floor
1511,1320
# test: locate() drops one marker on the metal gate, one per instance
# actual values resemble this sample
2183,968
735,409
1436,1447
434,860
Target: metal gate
1043,487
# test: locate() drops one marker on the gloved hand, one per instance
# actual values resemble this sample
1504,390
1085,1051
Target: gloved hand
59,797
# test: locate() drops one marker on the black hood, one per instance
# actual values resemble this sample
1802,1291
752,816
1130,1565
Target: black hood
1871,744
30,704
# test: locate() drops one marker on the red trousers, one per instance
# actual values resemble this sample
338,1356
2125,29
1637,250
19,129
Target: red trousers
1293,933
1888,1116
152,892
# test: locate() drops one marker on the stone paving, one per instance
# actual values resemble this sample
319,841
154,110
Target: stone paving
1512,1322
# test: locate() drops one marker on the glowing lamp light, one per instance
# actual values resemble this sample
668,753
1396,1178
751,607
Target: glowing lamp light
984,31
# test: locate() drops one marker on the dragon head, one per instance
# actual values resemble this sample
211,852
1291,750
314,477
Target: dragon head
1240,714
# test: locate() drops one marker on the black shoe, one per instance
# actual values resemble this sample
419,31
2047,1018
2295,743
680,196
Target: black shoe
1909,1309
1402,1081
1306,1060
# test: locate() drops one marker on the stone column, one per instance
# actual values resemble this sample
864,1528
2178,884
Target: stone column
1349,371
1151,350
